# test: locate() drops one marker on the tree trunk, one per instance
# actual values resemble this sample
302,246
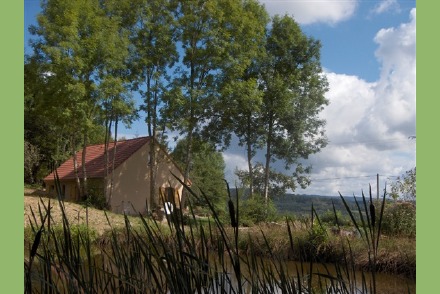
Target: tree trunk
84,169
190,135
107,192
75,167
268,158
113,163
153,195
249,157
151,125
187,167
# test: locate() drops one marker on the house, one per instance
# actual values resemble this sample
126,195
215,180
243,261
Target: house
130,192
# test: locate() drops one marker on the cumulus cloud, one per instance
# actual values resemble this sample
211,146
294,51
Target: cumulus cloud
381,111
396,89
234,159
308,12
368,124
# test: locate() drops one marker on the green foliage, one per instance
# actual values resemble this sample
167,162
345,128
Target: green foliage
31,162
73,80
328,217
206,173
218,40
294,89
318,235
278,183
256,210
399,219
95,197
405,186
76,231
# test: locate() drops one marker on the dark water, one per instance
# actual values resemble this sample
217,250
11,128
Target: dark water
385,283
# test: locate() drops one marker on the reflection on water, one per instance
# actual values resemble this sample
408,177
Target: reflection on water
217,275
385,283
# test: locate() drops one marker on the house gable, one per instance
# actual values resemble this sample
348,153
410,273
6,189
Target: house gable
128,187
95,159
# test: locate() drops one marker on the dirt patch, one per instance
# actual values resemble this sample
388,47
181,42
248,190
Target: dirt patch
76,213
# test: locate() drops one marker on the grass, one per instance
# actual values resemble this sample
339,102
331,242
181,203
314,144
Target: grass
144,256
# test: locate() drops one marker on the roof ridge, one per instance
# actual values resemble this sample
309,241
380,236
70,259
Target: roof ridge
132,139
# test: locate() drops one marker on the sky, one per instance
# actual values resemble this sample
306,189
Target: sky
369,58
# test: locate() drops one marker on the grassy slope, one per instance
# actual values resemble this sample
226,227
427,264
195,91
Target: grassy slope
76,213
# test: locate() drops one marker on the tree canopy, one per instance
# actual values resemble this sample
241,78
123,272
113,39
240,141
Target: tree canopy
206,171
206,70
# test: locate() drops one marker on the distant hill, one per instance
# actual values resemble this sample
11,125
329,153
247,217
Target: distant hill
302,204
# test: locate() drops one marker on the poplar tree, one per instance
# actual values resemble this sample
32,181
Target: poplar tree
217,39
294,88
153,39
238,108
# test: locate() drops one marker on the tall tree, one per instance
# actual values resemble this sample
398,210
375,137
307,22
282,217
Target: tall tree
78,50
216,37
294,88
39,129
153,39
238,107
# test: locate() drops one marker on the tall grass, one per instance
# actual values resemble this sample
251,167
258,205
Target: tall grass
177,256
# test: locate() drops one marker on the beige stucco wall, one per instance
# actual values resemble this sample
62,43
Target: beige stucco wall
131,188
68,187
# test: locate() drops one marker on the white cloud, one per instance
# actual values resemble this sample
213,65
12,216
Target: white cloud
308,12
234,161
386,6
368,124
349,98
383,111
396,89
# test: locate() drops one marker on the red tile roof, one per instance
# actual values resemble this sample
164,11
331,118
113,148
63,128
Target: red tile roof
95,159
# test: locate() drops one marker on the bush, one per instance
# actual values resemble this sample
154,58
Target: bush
96,197
399,219
254,210
329,218
318,235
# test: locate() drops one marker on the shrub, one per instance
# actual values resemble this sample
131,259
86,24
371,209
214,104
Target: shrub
400,219
329,218
317,235
255,210
96,197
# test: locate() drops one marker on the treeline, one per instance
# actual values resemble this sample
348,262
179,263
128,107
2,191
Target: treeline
207,69
301,204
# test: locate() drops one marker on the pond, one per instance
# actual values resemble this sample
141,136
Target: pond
385,283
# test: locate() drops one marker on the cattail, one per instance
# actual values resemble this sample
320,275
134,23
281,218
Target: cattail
232,213
36,243
373,214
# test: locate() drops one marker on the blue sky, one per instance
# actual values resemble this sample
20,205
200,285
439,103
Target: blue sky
368,54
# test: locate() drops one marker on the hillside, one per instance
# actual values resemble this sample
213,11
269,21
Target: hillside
302,204
76,213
